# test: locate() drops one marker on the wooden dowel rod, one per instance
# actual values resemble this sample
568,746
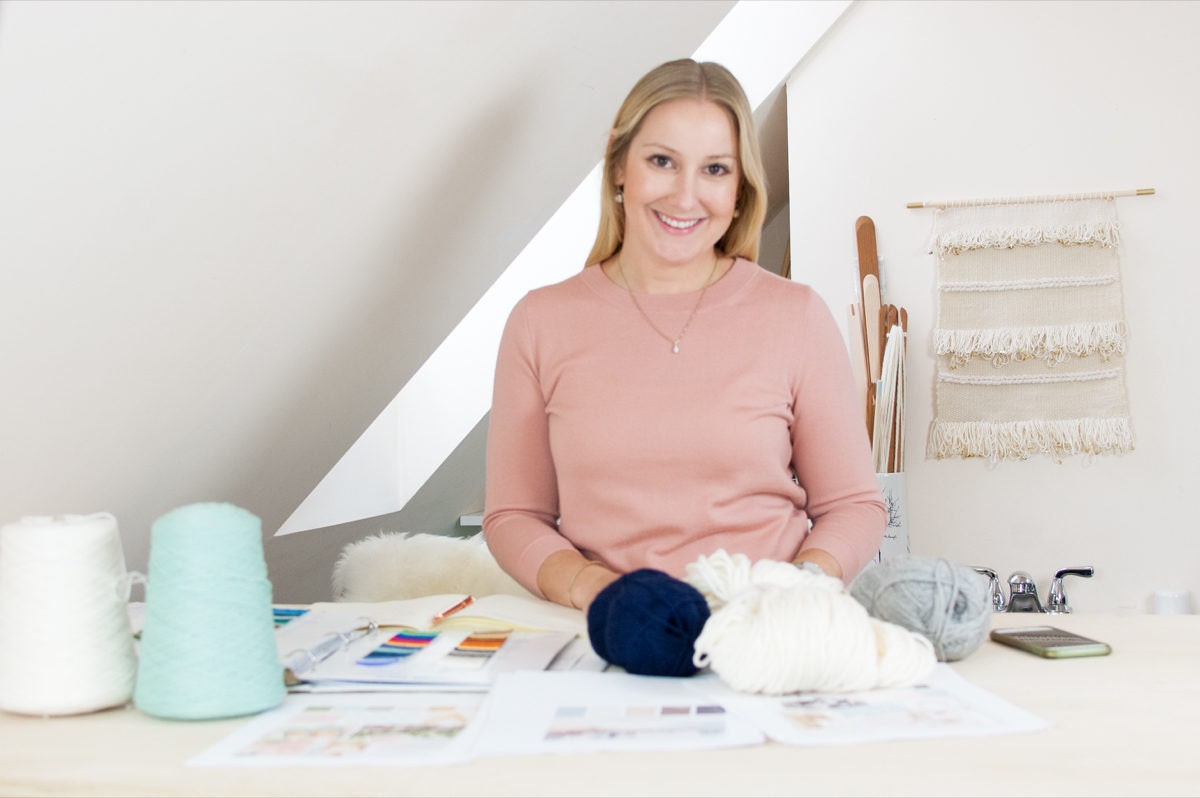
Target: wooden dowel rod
1133,192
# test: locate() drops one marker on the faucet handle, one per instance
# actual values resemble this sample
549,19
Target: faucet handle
1057,602
994,591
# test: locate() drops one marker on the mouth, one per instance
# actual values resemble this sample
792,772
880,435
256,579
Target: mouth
674,223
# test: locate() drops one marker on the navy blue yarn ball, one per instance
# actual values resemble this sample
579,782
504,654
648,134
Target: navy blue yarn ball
647,622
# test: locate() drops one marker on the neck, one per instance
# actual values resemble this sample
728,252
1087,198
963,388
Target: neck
645,276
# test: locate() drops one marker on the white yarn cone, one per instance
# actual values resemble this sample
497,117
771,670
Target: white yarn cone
65,643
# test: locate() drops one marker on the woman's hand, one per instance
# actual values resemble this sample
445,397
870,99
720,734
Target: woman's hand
822,559
568,578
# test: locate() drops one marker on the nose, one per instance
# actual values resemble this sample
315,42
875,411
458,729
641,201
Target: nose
686,190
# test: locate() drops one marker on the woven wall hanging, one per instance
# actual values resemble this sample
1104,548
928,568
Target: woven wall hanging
1030,334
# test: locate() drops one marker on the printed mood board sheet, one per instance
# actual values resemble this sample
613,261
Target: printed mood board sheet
529,712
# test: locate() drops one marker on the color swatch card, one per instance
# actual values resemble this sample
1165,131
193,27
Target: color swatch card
390,729
561,711
948,706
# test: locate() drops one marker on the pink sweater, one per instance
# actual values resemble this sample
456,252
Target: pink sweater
601,439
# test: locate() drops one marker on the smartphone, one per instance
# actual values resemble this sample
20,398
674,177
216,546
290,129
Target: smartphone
1049,641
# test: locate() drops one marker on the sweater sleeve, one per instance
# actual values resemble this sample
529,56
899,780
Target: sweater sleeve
520,521
831,450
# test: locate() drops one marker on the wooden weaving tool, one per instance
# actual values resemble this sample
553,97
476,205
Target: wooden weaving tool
868,275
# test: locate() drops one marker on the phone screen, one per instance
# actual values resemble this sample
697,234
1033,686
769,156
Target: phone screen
1050,641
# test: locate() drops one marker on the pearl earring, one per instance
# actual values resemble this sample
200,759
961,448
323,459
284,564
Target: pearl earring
620,198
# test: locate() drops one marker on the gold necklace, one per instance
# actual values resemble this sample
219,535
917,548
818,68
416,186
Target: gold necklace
674,342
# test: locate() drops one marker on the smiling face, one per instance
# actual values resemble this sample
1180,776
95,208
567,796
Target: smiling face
680,179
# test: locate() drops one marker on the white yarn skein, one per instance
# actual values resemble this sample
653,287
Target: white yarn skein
722,577
778,629
65,643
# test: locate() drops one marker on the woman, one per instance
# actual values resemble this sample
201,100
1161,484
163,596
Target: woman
674,398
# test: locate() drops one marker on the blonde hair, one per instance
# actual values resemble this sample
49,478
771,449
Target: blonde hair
703,80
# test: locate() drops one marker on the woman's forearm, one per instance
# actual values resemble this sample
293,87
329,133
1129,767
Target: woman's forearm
570,579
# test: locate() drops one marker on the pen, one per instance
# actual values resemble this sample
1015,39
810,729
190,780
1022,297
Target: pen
444,614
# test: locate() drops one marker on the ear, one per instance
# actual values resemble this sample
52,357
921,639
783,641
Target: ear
618,168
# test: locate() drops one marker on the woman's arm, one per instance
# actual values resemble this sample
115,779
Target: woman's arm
832,456
520,521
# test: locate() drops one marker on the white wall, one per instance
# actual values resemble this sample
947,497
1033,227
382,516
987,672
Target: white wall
230,232
908,101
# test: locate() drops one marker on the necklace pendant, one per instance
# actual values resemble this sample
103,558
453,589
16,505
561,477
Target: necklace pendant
675,348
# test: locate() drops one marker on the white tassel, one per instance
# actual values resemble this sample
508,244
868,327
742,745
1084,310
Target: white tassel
1021,439
1051,344
1103,234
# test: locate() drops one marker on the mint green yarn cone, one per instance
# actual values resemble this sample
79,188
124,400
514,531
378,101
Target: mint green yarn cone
208,642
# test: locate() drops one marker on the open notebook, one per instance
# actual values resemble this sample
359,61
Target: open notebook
487,613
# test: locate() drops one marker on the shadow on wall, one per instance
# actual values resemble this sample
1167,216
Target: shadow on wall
411,306
301,565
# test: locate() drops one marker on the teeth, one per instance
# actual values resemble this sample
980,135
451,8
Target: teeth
677,223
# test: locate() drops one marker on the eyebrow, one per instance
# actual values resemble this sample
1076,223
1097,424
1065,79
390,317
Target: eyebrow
654,145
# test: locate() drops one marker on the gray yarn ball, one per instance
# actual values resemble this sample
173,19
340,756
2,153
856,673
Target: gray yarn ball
946,603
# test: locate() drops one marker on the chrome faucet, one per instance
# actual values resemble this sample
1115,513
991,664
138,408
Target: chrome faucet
1057,602
1023,594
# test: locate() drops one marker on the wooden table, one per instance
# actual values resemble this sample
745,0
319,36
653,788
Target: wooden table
1122,725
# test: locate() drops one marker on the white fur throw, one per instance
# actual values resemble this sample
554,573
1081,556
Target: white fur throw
402,565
